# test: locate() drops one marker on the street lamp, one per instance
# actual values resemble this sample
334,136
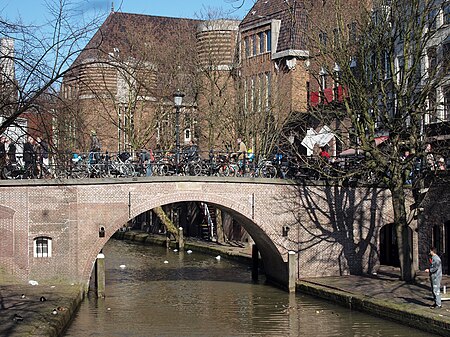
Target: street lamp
337,80
178,101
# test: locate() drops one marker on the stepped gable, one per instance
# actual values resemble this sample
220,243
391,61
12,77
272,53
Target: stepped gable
293,27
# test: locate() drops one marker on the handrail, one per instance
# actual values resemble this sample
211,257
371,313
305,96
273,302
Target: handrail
210,163
209,219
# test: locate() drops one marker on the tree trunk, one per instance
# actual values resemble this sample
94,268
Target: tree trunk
220,237
402,230
166,221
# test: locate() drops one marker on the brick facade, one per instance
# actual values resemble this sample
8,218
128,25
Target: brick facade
434,222
334,229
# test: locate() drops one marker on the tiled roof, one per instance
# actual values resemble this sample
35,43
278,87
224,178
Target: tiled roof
129,33
293,21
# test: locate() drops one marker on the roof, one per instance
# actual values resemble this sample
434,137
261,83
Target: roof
130,35
292,31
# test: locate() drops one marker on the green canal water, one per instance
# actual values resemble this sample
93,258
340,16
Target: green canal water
159,292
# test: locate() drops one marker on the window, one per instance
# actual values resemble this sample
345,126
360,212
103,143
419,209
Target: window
336,36
401,69
323,39
269,40
432,18
432,107
245,95
262,42
446,12
446,116
254,44
262,91
247,46
387,65
42,247
252,95
376,17
431,53
269,89
446,53
352,32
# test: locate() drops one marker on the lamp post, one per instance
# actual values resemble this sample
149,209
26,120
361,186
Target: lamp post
323,83
337,80
178,101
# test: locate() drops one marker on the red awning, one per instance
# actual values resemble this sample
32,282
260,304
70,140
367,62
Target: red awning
381,139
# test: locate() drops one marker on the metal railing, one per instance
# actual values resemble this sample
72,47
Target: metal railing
196,163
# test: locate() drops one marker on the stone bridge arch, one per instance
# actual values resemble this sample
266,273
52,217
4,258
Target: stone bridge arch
274,258
334,229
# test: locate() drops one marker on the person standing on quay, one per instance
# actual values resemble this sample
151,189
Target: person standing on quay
435,272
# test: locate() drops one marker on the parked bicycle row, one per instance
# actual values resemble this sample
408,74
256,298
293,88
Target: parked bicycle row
213,163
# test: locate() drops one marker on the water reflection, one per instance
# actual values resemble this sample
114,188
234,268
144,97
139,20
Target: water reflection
197,295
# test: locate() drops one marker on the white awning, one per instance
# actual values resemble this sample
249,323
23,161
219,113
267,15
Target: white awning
312,138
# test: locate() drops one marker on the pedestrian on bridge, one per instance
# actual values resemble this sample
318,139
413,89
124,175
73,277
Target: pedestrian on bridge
29,158
95,146
435,272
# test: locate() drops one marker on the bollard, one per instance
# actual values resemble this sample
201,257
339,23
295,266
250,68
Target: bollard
445,289
292,271
100,280
180,238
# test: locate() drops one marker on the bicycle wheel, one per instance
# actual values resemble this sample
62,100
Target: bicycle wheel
6,173
268,171
79,172
195,169
163,170
129,170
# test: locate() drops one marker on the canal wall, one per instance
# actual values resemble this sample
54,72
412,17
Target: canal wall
236,252
412,312
24,312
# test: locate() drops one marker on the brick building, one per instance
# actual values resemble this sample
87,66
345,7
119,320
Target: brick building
122,83
258,79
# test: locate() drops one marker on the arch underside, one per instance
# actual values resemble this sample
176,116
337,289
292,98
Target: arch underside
274,266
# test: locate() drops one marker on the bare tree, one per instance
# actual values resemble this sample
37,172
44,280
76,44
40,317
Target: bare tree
125,78
378,56
36,58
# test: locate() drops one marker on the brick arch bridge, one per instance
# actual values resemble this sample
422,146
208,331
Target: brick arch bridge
334,229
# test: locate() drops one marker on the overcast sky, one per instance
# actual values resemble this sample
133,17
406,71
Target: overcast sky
34,11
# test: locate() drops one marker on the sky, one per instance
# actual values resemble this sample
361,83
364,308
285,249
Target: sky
34,11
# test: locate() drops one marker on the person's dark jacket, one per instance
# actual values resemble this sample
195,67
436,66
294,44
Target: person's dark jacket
2,150
12,153
28,153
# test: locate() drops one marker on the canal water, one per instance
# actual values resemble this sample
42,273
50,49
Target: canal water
151,291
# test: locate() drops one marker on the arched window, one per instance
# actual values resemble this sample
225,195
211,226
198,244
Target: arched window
42,247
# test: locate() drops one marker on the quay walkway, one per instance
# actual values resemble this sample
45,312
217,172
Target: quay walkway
382,295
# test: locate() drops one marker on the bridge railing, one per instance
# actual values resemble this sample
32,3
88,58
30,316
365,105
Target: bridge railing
195,163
